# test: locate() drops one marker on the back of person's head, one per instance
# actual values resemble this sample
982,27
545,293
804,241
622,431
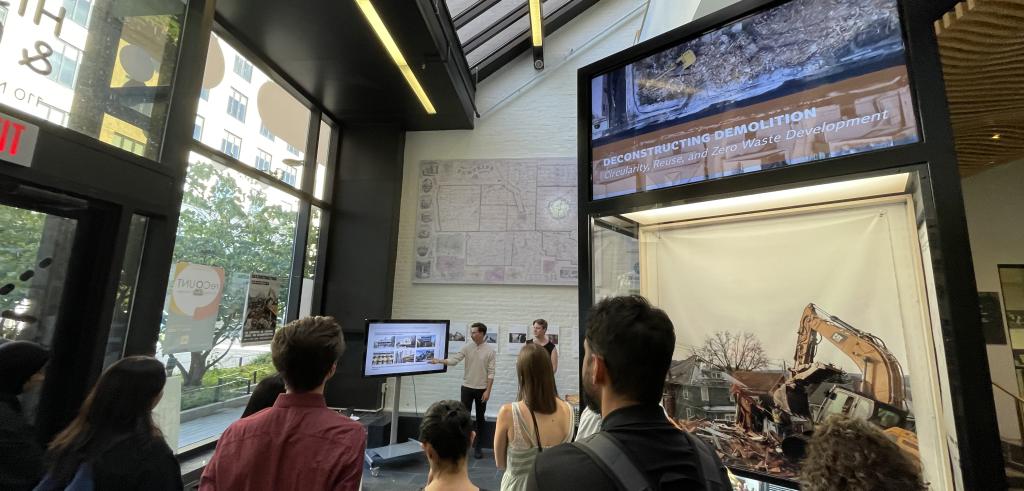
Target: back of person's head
480,326
636,341
120,403
536,379
446,427
848,454
19,361
305,351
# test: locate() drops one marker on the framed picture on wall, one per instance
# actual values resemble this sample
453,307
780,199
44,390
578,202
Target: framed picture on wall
1011,280
991,318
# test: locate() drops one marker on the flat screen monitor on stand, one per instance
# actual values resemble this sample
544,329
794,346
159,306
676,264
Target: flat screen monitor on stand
395,348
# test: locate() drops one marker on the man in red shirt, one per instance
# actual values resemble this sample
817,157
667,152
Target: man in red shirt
298,444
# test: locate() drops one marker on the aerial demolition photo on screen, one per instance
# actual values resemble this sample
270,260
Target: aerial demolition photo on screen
807,80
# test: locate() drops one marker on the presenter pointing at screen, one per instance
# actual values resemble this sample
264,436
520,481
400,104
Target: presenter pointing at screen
477,379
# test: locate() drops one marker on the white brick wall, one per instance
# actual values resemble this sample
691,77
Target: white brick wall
537,121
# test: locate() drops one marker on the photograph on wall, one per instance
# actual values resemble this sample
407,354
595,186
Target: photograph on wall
513,338
775,332
193,300
803,81
261,309
553,332
508,221
991,318
1011,280
458,335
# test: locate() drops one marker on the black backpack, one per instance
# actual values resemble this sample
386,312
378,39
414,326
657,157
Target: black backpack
610,455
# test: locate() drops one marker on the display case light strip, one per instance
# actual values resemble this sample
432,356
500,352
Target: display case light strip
396,54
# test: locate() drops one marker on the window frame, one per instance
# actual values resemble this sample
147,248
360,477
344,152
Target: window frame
70,15
260,153
57,68
235,141
200,124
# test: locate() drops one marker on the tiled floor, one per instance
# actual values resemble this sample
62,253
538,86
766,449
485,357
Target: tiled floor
411,474
205,427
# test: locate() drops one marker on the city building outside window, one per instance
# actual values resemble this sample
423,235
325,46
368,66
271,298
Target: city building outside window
197,128
288,176
265,132
237,105
129,144
263,160
78,11
704,394
94,57
53,114
64,63
294,151
204,94
231,145
243,68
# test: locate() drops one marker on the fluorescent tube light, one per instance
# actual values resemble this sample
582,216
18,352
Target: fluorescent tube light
535,23
396,55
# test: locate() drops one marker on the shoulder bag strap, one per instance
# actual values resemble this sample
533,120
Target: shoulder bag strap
536,429
709,471
608,454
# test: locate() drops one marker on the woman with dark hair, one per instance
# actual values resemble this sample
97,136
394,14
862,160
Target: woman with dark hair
446,434
538,420
849,454
113,441
22,367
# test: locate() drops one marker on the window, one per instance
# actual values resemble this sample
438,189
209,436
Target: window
129,144
323,150
237,105
263,160
197,128
292,150
689,413
78,11
265,132
686,395
51,113
232,226
64,64
243,68
87,65
704,394
732,397
231,145
288,176
204,94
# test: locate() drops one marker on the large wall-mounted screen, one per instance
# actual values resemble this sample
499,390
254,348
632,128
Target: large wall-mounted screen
803,81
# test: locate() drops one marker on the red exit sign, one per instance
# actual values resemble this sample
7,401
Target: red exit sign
17,140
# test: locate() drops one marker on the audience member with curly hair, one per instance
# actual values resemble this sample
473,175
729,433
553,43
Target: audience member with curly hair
847,454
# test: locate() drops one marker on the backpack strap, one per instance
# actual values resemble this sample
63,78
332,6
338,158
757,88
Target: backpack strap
710,474
609,454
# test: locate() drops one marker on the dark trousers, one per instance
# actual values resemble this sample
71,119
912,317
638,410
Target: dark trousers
475,396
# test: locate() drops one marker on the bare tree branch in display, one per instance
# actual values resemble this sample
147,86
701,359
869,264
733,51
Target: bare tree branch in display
732,352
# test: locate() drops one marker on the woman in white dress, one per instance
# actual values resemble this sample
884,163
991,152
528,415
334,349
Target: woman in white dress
538,420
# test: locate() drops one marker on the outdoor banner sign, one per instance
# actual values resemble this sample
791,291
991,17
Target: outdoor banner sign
193,301
261,309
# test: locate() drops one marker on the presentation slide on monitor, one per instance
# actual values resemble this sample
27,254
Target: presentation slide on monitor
401,348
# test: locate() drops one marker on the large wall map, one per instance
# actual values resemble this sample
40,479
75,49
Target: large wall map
496,222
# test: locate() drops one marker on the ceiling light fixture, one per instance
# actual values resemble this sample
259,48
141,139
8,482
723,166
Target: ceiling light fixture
537,33
396,55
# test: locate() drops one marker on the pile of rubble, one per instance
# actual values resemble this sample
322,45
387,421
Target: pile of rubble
739,448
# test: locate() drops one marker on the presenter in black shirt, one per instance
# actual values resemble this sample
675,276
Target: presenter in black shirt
540,338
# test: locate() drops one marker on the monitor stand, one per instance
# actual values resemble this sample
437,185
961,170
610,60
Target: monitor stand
375,457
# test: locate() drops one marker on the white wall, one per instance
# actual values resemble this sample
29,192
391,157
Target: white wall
524,114
995,220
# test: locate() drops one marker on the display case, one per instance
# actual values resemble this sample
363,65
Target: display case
779,179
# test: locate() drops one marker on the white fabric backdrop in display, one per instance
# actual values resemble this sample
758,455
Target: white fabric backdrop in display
757,276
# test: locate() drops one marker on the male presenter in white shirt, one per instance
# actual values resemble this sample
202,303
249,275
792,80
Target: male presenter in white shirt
477,379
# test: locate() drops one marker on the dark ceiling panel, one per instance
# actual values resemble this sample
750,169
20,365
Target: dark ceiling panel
331,54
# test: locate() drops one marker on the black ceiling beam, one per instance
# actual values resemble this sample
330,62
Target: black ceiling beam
474,11
493,30
522,43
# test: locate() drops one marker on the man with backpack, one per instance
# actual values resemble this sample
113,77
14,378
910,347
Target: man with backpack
628,348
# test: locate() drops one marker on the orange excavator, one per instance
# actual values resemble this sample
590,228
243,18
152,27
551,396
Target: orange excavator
879,397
